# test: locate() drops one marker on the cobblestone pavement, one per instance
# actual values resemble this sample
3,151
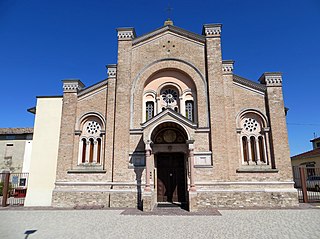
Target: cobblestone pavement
292,223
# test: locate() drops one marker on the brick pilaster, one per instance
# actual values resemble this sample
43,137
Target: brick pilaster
122,112
276,113
67,129
216,97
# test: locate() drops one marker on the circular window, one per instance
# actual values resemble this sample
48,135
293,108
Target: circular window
169,96
93,127
250,124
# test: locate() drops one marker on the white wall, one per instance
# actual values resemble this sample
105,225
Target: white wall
44,153
27,156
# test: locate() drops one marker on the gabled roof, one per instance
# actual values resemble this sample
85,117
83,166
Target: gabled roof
249,83
308,154
170,28
315,139
172,114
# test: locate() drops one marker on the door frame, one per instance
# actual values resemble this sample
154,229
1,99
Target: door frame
185,179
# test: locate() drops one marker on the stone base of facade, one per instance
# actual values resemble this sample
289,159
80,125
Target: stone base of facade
247,199
146,201
97,199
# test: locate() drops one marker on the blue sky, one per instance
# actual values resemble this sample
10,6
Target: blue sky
44,42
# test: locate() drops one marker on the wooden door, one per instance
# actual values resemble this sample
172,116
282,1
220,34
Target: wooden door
171,182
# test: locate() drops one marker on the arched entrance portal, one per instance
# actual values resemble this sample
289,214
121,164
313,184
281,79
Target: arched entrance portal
170,150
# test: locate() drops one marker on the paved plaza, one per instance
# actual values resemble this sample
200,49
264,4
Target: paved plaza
283,223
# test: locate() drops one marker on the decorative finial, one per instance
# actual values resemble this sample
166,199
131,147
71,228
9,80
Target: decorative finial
168,21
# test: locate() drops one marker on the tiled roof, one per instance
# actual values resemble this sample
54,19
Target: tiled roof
311,153
16,131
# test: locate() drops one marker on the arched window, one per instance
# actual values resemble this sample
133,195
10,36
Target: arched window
149,110
91,150
83,153
253,148
90,144
245,149
190,110
252,139
261,147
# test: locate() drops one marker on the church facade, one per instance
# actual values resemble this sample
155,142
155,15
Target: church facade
173,124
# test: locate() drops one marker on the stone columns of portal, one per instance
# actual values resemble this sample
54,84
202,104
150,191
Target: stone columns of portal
147,197
148,156
191,164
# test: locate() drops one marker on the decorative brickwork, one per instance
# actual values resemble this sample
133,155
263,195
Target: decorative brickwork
171,93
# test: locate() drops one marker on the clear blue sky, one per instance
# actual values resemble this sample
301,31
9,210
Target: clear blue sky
44,42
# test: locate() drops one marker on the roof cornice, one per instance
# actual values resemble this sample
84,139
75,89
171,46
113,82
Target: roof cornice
249,83
92,88
170,28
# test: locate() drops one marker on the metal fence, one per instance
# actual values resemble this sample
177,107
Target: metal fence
307,182
13,188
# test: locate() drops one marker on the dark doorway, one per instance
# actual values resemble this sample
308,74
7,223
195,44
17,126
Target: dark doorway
171,178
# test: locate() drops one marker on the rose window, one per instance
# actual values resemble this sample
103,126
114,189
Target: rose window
250,124
169,96
93,127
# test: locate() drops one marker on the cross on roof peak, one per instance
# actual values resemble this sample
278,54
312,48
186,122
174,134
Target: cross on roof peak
169,11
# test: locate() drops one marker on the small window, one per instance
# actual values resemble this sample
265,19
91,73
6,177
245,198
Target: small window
245,149
190,110
149,110
84,147
261,147
253,148
91,143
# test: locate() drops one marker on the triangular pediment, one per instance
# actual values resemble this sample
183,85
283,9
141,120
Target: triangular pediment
172,29
168,115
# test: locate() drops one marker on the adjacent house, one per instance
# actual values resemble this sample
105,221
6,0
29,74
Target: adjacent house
310,159
15,149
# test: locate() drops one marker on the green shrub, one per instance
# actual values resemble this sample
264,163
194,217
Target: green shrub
1,188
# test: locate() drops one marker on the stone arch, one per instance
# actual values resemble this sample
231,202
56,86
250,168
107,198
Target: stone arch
148,135
168,84
169,64
87,115
253,111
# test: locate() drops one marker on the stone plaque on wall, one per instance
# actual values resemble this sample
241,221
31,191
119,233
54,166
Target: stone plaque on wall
202,159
